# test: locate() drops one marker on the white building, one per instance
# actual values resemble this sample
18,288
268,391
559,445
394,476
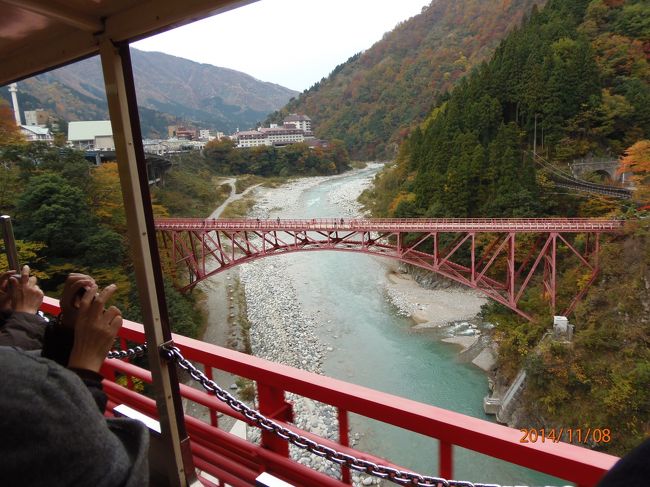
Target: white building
34,133
283,135
204,134
157,147
208,135
272,136
37,117
93,135
251,138
302,122
171,146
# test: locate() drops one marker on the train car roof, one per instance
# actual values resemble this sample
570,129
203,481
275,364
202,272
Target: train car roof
39,35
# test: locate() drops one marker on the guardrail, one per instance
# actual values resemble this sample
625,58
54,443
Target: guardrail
238,462
396,224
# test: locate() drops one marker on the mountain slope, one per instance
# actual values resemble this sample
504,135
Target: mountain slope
372,99
168,88
577,75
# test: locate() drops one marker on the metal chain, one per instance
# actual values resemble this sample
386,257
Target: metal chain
173,354
137,351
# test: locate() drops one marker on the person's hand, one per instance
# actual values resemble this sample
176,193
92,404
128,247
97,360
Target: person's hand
95,329
76,285
26,296
5,297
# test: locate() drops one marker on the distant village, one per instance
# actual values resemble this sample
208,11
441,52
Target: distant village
97,135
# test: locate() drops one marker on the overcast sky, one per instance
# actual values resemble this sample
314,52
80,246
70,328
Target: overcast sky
294,43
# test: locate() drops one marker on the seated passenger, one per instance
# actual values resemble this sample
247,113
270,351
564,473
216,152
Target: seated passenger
21,325
52,429
20,299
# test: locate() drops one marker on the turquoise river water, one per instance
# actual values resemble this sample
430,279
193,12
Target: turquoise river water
375,347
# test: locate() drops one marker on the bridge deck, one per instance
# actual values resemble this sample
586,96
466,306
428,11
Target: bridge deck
520,225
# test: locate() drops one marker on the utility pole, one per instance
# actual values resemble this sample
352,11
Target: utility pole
535,137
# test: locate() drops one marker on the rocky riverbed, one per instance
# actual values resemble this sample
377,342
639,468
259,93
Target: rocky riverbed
431,308
313,336
281,330
264,295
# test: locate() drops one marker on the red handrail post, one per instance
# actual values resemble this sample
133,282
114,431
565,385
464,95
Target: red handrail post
129,379
344,428
272,405
446,460
214,421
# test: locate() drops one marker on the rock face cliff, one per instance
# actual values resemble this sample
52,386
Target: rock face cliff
169,89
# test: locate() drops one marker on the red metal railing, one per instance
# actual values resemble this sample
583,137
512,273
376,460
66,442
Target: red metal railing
397,224
237,462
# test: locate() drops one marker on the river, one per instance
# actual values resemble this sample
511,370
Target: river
370,344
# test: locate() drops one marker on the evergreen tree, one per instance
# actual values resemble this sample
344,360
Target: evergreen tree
55,213
564,77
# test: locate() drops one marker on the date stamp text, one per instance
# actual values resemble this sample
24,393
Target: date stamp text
568,435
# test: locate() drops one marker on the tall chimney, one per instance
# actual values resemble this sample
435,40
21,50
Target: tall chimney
13,89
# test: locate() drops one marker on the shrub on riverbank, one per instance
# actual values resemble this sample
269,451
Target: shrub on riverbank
295,159
602,379
245,181
238,208
189,189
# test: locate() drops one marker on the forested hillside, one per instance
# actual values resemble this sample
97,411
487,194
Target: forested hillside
578,67
169,88
603,380
69,216
371,100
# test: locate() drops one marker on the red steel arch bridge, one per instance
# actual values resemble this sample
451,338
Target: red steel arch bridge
499,257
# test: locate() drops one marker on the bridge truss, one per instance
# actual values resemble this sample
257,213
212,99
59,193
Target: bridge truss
501,258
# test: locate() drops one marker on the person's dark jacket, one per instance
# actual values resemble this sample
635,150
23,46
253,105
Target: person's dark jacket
32,332
54,434
24,330
633,470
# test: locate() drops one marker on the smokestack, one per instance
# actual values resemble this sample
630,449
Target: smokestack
13,89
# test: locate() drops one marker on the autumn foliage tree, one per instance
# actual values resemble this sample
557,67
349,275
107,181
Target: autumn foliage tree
637,161
294,159
106,196
9,131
